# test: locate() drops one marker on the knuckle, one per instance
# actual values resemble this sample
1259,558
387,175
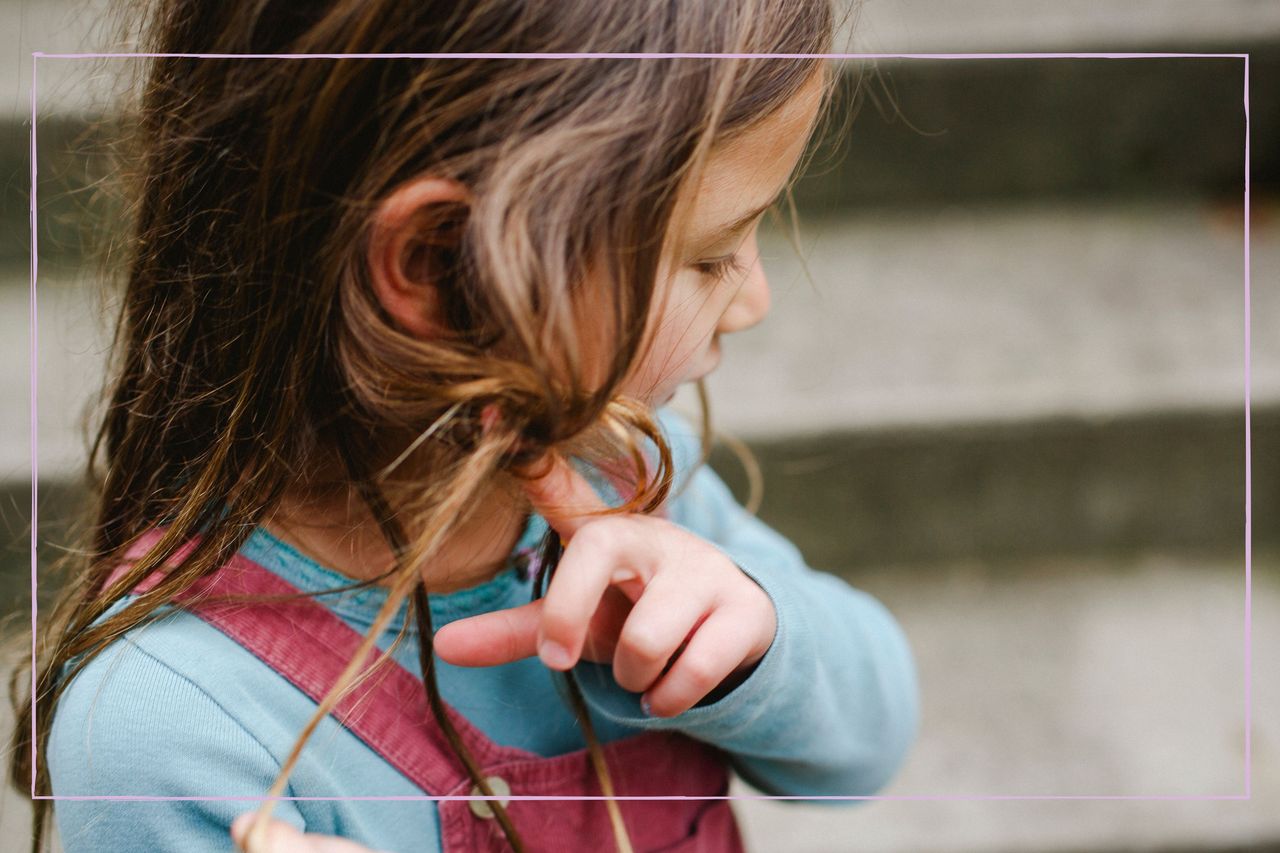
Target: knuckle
558,623
599,533
628,679
699,672
512,647
643,646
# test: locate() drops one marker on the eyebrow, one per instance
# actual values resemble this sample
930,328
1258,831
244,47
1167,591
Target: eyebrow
731,229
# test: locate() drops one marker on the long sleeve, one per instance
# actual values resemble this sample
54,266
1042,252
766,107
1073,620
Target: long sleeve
129,725
832,708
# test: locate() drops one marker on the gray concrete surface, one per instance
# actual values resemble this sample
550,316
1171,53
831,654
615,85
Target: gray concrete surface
1170,480
882,26
1104,676
966,314
1024,26
70,335
1108,676
72,86
928,132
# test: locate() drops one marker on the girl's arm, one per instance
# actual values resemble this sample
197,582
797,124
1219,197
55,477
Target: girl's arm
129,725
832,707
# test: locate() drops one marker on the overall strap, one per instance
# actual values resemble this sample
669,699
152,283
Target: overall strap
309,646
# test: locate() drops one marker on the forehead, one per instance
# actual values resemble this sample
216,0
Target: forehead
752,168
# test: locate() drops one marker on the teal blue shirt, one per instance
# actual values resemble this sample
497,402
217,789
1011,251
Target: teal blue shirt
177,709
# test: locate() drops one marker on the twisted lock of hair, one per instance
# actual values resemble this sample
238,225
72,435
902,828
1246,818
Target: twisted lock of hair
551,557
404,579
393,532
407,582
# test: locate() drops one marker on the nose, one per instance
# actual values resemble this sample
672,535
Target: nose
751,301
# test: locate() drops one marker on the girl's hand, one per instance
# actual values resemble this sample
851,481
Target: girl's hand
630,589
282,837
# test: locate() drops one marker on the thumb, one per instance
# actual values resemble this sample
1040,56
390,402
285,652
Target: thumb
275,835
283,837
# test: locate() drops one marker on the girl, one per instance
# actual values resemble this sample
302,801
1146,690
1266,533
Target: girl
385,468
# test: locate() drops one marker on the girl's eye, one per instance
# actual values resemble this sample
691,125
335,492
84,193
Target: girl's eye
721,268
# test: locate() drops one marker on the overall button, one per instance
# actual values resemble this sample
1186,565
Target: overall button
480,808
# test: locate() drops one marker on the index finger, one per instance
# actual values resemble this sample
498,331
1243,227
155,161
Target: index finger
563,497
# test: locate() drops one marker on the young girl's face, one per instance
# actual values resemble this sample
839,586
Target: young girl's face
717,285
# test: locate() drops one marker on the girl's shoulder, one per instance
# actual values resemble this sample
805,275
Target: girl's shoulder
178,709
700,501
186,678
159,712
683,437
146,714
685,441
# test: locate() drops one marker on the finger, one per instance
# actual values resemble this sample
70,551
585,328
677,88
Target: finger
562,496
666,615
606,625
591,563
492,638
503,636
282,837
711,656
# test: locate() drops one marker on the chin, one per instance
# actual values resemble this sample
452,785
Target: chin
663,398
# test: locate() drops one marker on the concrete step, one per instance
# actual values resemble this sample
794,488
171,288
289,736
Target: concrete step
926,131
933,131
954,316
879,26
987,26
974,382
850,499
973,313
1088,677
1172,481
969,381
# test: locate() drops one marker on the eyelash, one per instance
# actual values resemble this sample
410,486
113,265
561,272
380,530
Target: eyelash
721,268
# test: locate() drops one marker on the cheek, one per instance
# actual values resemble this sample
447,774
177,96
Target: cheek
680,336
671,354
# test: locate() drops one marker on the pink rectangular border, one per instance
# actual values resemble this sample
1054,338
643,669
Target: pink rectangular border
1248,465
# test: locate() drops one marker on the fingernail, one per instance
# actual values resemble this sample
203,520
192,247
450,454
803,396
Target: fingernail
555,655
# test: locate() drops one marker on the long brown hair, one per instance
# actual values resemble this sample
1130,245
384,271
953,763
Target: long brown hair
251,354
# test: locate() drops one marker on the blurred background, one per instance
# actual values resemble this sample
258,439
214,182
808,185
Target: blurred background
1002,389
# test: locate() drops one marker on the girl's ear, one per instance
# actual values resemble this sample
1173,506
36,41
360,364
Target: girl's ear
411,229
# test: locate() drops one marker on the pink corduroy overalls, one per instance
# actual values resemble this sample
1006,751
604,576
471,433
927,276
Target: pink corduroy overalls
309,646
